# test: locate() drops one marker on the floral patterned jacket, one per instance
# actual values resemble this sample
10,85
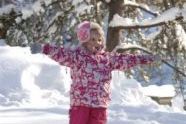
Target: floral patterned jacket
91,73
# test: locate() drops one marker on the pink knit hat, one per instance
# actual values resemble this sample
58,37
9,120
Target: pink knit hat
83,31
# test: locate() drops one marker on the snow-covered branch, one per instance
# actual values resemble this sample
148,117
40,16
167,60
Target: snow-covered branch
136,26
167,16
50,3
140,6
134,4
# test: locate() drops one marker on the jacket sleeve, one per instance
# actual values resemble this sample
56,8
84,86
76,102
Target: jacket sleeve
126,61
59,54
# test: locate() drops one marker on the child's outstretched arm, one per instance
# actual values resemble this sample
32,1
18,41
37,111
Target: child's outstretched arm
127,61
60,54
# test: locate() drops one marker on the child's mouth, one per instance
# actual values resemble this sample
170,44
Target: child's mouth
97,48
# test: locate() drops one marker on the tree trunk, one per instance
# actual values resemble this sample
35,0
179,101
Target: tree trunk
115,6
3,33
165,2
173,3
97,12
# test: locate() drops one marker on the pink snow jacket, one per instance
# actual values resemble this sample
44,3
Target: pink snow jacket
91,73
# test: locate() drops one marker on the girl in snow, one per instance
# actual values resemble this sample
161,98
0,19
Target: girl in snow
91,69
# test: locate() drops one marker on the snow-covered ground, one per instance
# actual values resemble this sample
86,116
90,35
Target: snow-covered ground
34,90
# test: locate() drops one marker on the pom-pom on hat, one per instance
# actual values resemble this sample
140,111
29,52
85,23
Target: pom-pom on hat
83,31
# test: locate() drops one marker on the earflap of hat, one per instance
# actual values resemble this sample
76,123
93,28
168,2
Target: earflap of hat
83,31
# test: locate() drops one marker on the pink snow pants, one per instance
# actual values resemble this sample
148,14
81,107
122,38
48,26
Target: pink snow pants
87,115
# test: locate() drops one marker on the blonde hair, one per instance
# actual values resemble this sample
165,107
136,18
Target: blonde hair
96,31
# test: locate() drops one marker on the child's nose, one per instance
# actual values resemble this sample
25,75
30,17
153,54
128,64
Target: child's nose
98,43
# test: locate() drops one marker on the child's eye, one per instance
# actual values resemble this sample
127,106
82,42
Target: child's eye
99,40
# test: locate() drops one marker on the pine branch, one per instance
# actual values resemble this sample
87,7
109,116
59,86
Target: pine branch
9,17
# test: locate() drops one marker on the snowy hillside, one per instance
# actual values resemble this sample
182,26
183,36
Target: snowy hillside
34,89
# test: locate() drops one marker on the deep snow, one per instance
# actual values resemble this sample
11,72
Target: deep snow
34,89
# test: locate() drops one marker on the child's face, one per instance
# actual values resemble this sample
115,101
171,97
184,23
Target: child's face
95,43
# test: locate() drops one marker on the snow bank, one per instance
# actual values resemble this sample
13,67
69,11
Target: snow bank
33,79
30,79
160,91
127,91
34,89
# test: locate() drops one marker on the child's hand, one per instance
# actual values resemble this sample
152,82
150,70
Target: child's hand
36,48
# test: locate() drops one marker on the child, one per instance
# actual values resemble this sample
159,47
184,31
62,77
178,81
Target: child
91,69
